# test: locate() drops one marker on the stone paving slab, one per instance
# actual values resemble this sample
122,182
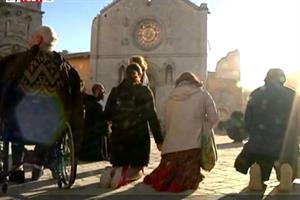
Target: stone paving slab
222,183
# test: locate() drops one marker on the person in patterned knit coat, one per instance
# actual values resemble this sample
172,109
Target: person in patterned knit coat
39,90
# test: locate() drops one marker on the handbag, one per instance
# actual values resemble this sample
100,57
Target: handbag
209,155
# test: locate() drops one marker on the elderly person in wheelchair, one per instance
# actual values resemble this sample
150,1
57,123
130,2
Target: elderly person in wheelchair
40,105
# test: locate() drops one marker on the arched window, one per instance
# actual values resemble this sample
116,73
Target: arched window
169,74
122,72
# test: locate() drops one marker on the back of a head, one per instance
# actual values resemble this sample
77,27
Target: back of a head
275,75
97,86
133,67
188,77
139,60
49,37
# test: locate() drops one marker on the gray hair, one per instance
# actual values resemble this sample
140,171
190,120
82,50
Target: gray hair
49,37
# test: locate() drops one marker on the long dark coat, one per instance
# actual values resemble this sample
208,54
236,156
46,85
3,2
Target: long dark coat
131,146
267,118
95,129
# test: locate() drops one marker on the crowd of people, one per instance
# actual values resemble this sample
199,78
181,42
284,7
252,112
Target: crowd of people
39,88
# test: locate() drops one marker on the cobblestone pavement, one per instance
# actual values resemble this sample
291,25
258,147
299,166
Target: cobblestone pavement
223,183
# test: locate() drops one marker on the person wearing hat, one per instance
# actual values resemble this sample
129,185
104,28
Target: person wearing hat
130,108
269,118
141,61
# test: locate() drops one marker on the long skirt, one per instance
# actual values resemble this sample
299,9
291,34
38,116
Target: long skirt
177,172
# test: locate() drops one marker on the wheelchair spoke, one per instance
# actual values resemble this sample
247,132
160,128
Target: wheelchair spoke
67,163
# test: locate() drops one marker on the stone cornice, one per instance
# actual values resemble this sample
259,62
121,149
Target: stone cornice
203,6
109,6
3,5
77,55
153,55
193,5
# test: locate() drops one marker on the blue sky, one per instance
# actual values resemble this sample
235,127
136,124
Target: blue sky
266,32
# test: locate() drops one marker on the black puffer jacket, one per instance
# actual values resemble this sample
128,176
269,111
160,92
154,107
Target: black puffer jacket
95,129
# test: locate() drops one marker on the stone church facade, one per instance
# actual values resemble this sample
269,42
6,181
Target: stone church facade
17,22
170,34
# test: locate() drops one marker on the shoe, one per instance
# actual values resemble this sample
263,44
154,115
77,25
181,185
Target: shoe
119,178
106,177
137,175
37,172
17,176
255,183
286,178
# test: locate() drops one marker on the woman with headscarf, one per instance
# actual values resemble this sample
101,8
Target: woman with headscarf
186,107
130,108
141,61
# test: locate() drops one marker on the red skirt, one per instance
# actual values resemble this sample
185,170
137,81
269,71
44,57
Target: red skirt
177,172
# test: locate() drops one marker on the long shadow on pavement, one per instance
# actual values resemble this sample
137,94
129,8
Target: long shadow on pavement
245,194
142,191
230,145
41,186
275,195
138,191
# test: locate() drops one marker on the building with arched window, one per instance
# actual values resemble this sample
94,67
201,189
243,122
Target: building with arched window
170,34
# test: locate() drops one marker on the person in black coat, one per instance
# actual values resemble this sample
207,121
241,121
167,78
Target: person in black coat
269,118
95,139
130,108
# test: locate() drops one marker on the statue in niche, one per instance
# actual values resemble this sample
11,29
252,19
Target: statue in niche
169,74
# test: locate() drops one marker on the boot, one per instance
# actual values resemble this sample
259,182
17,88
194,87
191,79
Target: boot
119,178
37,172
105,179
255,183
135,173
286,178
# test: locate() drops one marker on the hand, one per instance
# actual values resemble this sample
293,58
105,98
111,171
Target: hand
159,146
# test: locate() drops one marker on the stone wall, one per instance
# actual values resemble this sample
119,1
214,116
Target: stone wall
17,22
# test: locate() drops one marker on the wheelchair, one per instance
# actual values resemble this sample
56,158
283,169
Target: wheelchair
65,163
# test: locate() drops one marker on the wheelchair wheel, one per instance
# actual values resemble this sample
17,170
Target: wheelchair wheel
68,163
4,165
2,161
2,153
3,171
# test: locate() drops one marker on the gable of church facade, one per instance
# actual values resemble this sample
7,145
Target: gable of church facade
169,33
